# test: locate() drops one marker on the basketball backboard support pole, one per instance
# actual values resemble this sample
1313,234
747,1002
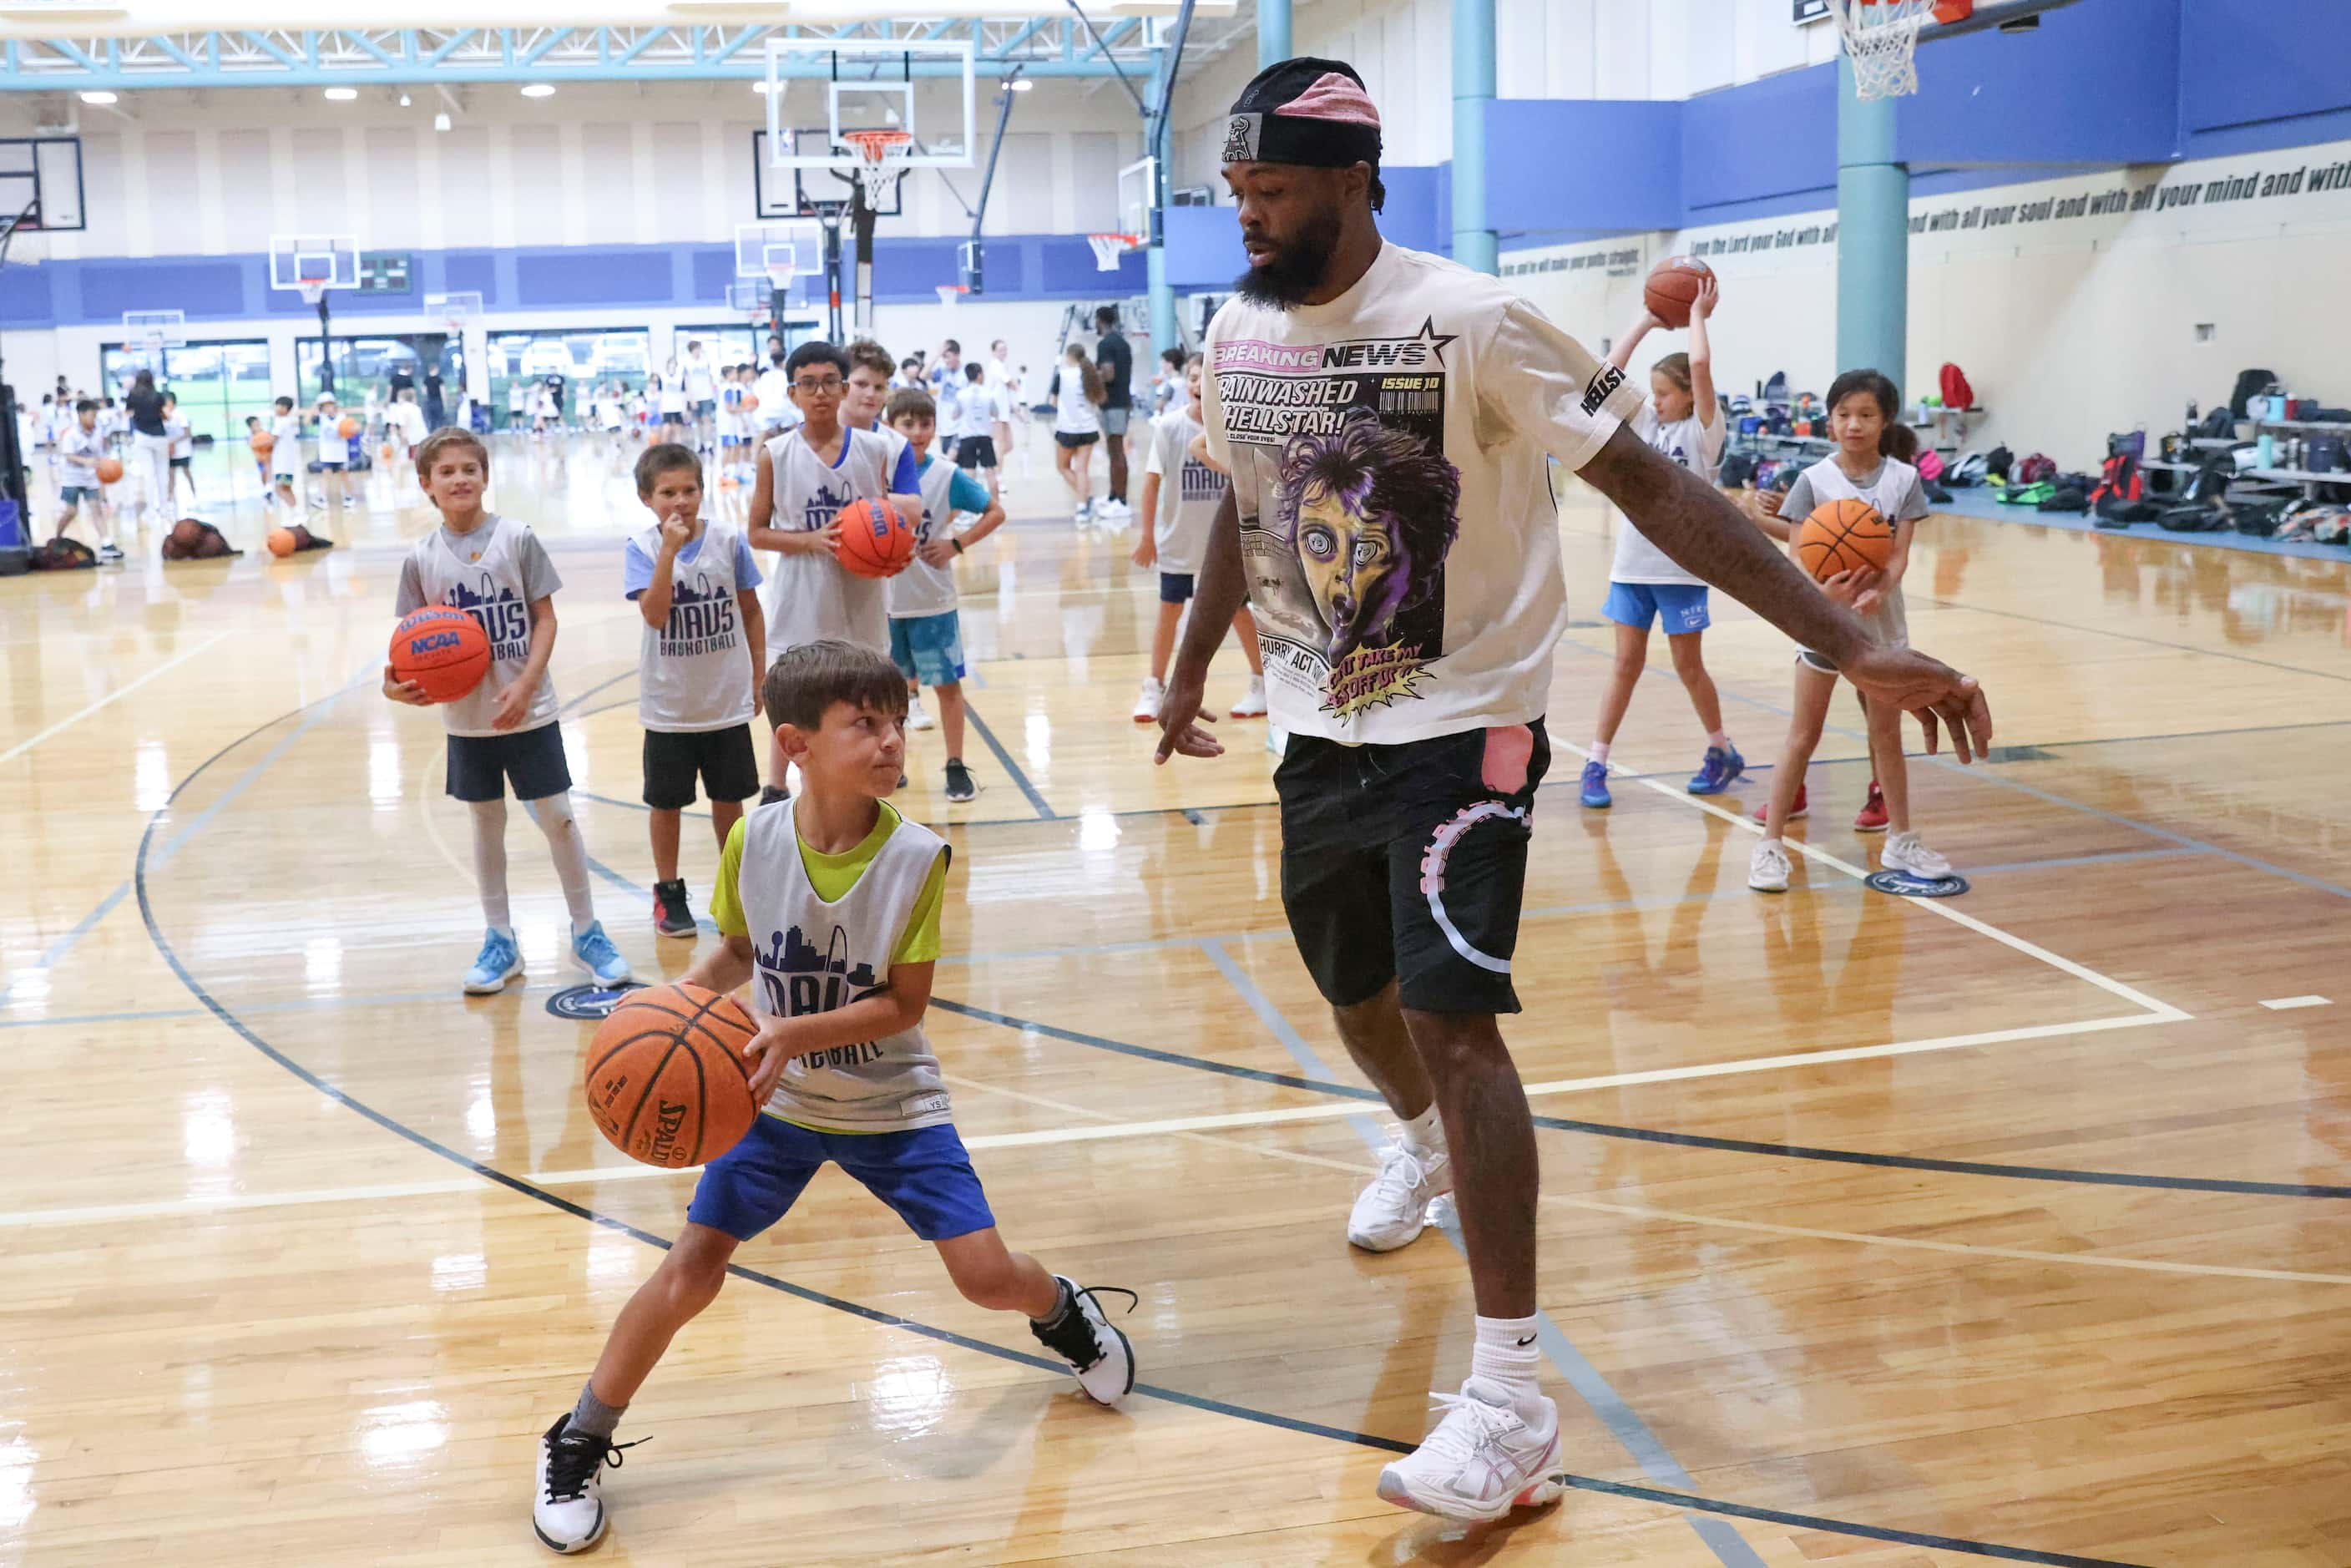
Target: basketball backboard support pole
971,255
40,192
461,313
313,266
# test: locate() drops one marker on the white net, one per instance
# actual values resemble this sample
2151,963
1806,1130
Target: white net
881,160
951,294
1108,248
1881,39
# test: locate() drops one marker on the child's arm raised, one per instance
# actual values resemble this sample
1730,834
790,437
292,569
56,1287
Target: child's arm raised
1701,353
653,602
514,701
897,1007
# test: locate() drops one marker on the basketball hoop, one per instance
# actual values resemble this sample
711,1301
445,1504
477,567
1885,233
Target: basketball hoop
951,293
313,291
780,275
1108,248
881,158
1881,39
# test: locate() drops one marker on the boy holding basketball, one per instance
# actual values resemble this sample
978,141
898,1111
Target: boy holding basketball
698,672
504,730
803,479
77,452
334,452
1869,467
926,633
285,453
830,904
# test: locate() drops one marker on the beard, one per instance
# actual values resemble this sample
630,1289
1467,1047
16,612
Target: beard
1296,270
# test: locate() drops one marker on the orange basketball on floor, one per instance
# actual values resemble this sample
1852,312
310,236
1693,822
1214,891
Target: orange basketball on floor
110,469
442,650
349,427
1844,536
875,540
1674,284
264,444
667,1083
281,541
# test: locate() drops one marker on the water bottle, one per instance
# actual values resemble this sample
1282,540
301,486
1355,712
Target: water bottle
2190,428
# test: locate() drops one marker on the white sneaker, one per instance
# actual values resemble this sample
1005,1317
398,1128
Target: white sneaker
1097,1352
1085,512
567,1510
1112,506
1904,852
1393,1210
1482,1460
916,719
1767,868
1147,701
1252,704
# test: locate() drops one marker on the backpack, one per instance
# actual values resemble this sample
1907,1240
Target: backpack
2119,480
2064,499
63,555
1775,390
1957,393
2249,384
2211,481
2035,468
1930,465
2113,511
2218,426
1972,469
1998,462
1738,471
2193,521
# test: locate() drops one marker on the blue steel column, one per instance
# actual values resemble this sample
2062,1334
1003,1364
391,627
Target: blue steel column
1474,245
1873,237
1273,32
1164,334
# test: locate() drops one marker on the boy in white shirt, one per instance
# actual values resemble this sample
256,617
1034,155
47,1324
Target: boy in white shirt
286,454
1181,490
79,450
334,452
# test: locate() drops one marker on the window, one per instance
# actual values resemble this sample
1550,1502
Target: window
365,366
584,357
217,383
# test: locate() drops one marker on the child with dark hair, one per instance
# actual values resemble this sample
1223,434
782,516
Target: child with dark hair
1868,466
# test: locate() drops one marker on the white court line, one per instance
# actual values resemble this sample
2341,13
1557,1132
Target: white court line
68,722
2163,1012
2286,1004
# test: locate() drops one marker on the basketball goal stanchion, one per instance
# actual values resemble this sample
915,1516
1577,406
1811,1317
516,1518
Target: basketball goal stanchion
1881,39
1109,248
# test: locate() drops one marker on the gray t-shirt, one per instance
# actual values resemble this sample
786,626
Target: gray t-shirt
1798,502
530,559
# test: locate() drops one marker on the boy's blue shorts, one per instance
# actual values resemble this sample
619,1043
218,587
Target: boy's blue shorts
924,1175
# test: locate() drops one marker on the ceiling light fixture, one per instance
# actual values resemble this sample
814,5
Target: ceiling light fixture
1021,84
403,100
342,94
441,120
98,98
539,89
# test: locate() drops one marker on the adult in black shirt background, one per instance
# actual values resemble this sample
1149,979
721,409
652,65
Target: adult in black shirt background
1115,359
144,404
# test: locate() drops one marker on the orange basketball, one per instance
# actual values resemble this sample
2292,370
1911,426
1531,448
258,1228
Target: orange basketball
442,650
281,541
264,444
875,540
349,427
110,469
1674,284
667,1083
1844,536
750,400
384,451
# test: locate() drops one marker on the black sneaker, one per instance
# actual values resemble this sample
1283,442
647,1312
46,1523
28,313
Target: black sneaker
1101,1356
567,1513
671,916
959,784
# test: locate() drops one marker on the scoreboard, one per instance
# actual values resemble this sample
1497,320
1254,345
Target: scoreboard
384,271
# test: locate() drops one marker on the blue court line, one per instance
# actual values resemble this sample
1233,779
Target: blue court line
1632,1434
1004,761
81,928
890,1320
599,686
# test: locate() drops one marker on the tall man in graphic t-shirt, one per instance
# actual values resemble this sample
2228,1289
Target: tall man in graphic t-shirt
1385,416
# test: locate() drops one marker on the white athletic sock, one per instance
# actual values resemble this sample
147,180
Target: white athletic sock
1720,738
1426,1132
1506,1354
553,815
490,862
1600,751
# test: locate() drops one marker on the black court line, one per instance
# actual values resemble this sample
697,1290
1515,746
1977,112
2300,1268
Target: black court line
947,1336
1961,605
1173,1059
1004,761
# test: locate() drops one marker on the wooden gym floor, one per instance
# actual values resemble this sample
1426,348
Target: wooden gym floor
2010,1229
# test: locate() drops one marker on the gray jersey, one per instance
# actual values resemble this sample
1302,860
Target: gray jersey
695,673
492,574
813,957
811,596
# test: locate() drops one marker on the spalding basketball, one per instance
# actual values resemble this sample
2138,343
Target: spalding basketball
348,428
667,1083
1844,536
282,541
442,650
264,444
1674,285
110,469
875,540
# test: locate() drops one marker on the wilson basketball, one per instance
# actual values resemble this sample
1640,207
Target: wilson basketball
110,469
264,444
1844,536
349,427
1674,286
667,1083
875,540
281,541
442,650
